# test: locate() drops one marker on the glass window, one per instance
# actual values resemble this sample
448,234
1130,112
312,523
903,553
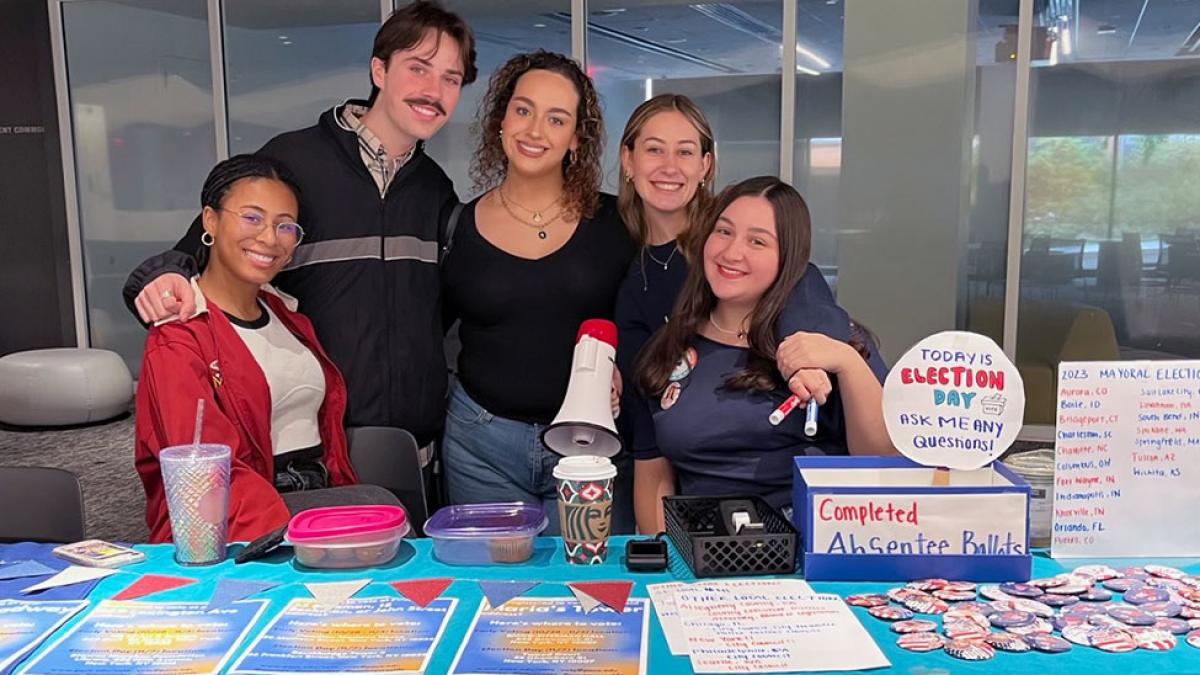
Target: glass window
283,69
1110,262
501,30
725,56
142,116
903,151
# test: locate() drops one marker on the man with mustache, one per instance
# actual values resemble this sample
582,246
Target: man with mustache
372,205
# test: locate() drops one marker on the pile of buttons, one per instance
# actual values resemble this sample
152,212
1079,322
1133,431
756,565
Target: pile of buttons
1158,605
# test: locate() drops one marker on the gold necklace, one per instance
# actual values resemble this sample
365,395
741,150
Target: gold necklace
537,213
539,226
741,335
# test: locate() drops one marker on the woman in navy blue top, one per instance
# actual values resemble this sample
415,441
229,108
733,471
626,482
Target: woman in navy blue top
711,374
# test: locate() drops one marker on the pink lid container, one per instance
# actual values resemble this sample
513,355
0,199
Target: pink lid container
346,522
347,536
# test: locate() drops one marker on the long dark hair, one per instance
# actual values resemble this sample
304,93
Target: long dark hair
793,228
581,173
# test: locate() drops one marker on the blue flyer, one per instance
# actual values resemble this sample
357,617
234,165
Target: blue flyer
554,636
362,635
166,638
25,552
24,624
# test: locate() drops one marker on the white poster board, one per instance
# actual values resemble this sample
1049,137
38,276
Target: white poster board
954,400
1127,459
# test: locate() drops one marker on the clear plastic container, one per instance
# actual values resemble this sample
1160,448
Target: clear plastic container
1037,468
347,536
484,534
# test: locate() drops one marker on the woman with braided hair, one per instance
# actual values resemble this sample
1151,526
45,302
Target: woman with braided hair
270,392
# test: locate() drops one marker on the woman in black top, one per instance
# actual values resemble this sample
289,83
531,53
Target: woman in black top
537,254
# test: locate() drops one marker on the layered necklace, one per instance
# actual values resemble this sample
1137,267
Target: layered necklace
539,220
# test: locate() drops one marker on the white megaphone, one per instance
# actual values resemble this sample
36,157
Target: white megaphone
584,424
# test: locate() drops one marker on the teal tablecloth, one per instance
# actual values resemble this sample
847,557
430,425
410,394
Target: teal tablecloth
415,561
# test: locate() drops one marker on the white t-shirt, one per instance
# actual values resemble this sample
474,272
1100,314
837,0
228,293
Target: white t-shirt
294,377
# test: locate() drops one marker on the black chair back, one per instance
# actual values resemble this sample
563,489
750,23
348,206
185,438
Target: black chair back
389,457
40,504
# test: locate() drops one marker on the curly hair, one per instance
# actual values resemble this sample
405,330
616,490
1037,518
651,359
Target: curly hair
581,173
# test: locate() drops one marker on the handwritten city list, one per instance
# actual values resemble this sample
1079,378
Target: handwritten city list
1127,459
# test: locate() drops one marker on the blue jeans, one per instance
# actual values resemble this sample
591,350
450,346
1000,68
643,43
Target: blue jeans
488,458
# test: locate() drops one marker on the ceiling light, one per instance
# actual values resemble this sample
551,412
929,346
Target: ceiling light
539,25
800,49
806,71
1106,29
676,41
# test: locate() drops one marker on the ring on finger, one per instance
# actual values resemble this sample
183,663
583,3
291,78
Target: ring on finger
167,294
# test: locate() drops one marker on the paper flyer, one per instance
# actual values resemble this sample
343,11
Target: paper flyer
167,638
663,596
362,635
24,624
554,636
746,631
1125,460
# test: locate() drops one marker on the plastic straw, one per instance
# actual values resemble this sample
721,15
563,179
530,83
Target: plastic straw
199,421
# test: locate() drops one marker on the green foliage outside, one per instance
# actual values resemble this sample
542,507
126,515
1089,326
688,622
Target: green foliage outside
1070,186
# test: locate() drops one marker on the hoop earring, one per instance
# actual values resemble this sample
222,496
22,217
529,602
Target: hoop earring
701,186
207,239
571,157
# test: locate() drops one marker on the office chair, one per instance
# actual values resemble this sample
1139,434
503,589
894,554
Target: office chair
40,504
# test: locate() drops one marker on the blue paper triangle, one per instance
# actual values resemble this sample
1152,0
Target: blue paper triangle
25,568
500,592
232,590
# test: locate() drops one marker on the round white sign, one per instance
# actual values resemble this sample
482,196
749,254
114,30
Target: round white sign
954,400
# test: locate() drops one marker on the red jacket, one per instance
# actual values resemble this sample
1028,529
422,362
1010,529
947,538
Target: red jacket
205,358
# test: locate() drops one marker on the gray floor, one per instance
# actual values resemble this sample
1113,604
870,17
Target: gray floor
102,457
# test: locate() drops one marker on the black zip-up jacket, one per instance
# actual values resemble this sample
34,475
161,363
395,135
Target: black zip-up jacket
366,273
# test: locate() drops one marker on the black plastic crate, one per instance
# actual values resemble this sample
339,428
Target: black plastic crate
693,523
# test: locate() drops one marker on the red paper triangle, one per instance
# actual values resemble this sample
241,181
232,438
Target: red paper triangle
422,591
613,594
151,583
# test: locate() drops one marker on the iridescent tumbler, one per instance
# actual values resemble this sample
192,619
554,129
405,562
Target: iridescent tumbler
196,478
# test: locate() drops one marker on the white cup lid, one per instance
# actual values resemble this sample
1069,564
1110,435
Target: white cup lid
584,467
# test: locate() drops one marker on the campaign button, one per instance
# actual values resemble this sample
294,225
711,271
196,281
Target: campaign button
1021,590
1056,600
867,600
970,650
890,613
1144,595
1050,644
914,626
920,642
1007,642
